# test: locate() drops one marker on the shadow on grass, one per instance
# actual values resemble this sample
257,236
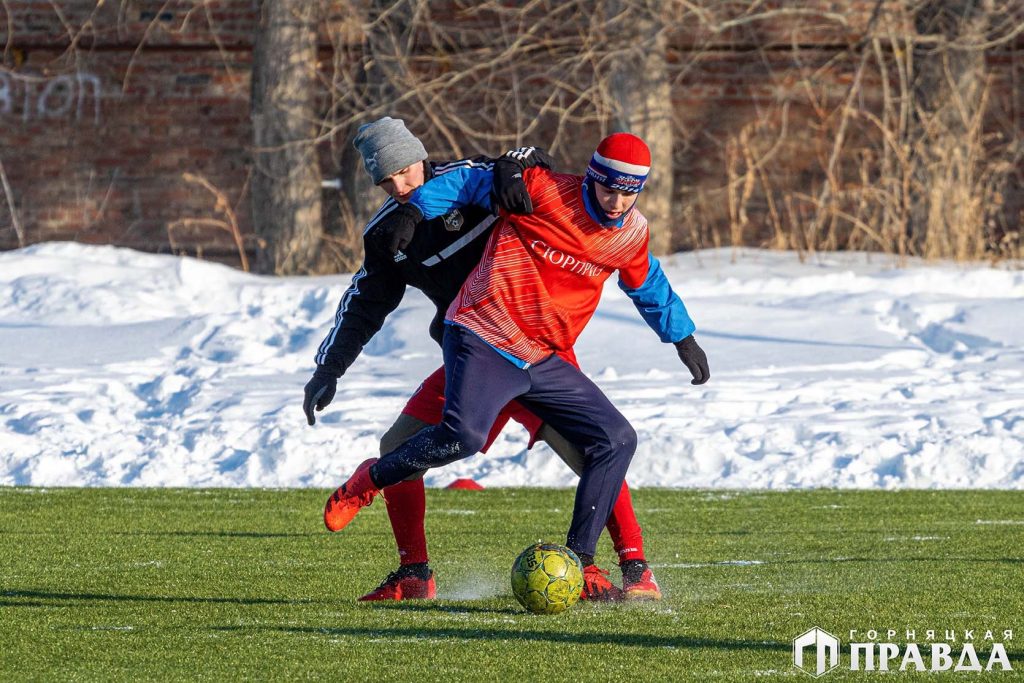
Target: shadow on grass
897,560
185,534
515,634
231,534
59,598
403,606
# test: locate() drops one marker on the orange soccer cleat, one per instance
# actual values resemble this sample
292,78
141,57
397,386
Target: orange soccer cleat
407,583
638,581
597,587
350,498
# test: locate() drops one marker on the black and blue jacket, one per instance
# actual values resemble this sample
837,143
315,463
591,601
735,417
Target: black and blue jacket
443,251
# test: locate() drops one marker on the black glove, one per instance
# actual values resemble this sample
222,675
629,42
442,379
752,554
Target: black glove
509,189
397,228
319,393
694,358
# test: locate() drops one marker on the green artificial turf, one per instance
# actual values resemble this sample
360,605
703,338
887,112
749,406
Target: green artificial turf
153,584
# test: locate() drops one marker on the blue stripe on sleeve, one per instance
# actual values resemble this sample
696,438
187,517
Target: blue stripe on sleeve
454,189
659,306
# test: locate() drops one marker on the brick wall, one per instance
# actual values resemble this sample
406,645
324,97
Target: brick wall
96,141
95,159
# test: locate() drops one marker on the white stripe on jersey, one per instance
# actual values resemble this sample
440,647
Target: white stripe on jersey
461,242
353,289
465,163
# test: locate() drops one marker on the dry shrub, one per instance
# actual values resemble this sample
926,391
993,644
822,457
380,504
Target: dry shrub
920,166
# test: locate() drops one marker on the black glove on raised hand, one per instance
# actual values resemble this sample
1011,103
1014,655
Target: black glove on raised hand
397,228
319,393
694,358
509,189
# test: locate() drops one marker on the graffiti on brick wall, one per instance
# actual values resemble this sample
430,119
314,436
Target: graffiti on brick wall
74,97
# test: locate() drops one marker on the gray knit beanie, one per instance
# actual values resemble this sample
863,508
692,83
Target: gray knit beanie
387,147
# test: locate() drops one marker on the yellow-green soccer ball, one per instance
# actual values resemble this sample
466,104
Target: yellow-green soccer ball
547,578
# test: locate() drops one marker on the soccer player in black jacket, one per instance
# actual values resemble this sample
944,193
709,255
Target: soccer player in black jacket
436,257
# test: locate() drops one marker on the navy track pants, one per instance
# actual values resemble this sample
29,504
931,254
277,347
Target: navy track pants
478,384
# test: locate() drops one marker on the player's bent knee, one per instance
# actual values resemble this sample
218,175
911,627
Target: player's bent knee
470,441
623,437
472,444
404,428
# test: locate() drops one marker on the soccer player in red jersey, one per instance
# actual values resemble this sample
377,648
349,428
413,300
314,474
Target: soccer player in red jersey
437,262
517,316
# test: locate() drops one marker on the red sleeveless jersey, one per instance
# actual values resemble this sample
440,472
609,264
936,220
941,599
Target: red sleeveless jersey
541,275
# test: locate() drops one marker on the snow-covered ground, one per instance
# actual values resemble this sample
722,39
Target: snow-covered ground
122,368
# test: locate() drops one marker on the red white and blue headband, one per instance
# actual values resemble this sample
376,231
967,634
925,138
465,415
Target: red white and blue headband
622,162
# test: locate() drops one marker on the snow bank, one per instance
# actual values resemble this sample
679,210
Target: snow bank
125,369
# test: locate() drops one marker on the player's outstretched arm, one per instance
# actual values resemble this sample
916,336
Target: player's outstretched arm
664,312
464,186
468,185
374,293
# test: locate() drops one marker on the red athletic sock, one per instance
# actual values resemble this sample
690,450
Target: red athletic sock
624,529
407,506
